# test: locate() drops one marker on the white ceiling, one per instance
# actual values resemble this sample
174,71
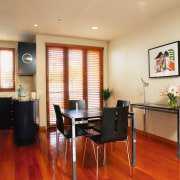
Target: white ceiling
113,17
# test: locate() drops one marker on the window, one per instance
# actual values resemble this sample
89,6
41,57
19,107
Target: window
73,72
75,58
7,72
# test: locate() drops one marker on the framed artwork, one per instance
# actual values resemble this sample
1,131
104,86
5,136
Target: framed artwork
164,60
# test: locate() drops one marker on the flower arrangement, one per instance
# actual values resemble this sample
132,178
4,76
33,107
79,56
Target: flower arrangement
172,92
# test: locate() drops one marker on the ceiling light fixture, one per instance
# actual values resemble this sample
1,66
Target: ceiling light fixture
35,25
142,4
94,27
60,18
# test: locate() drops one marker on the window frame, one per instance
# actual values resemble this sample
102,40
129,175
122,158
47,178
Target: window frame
13,70
85,50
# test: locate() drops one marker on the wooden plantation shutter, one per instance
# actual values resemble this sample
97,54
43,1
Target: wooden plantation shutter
55,81
7,69
75,58
73,72
95,78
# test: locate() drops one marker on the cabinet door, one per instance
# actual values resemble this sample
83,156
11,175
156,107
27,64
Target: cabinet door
5,112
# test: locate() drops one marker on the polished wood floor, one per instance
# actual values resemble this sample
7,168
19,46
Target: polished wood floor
156,160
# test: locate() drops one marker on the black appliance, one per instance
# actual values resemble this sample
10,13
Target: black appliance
26,58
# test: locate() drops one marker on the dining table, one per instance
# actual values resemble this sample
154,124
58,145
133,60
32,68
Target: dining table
81,116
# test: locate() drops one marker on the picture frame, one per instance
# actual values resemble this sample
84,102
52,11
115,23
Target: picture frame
164,60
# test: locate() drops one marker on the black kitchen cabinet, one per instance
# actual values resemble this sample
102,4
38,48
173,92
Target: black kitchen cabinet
26,118
6,113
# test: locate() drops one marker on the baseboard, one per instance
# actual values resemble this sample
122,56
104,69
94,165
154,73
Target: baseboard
140,132
157,138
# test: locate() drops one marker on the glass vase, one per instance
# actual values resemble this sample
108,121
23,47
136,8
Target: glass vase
172,102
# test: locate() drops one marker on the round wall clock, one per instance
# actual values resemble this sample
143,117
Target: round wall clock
27,58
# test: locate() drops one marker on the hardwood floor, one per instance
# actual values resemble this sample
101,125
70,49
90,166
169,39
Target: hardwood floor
156,160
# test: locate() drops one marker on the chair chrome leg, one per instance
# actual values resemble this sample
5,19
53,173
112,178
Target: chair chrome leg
128,141
84,153
65,156
94,151
97,162
104,161
128,145
128,157
90,150
57,142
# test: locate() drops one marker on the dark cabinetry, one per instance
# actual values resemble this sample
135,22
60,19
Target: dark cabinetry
6,113
26,121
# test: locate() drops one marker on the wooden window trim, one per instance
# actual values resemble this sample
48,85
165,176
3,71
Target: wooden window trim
13,71
66,48
74,46
47,89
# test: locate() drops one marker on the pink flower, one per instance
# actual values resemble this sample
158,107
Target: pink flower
170,90
161,92
179,88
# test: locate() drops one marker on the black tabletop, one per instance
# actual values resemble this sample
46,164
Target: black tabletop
153,105
83,114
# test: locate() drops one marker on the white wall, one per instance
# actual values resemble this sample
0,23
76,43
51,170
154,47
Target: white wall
41,40
128,62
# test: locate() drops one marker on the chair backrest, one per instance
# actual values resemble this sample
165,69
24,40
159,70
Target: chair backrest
81,104
123,103
59,119
122,121
114,124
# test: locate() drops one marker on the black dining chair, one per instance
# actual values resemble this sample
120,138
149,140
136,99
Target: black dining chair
67,133
80,104
111,131
122,103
